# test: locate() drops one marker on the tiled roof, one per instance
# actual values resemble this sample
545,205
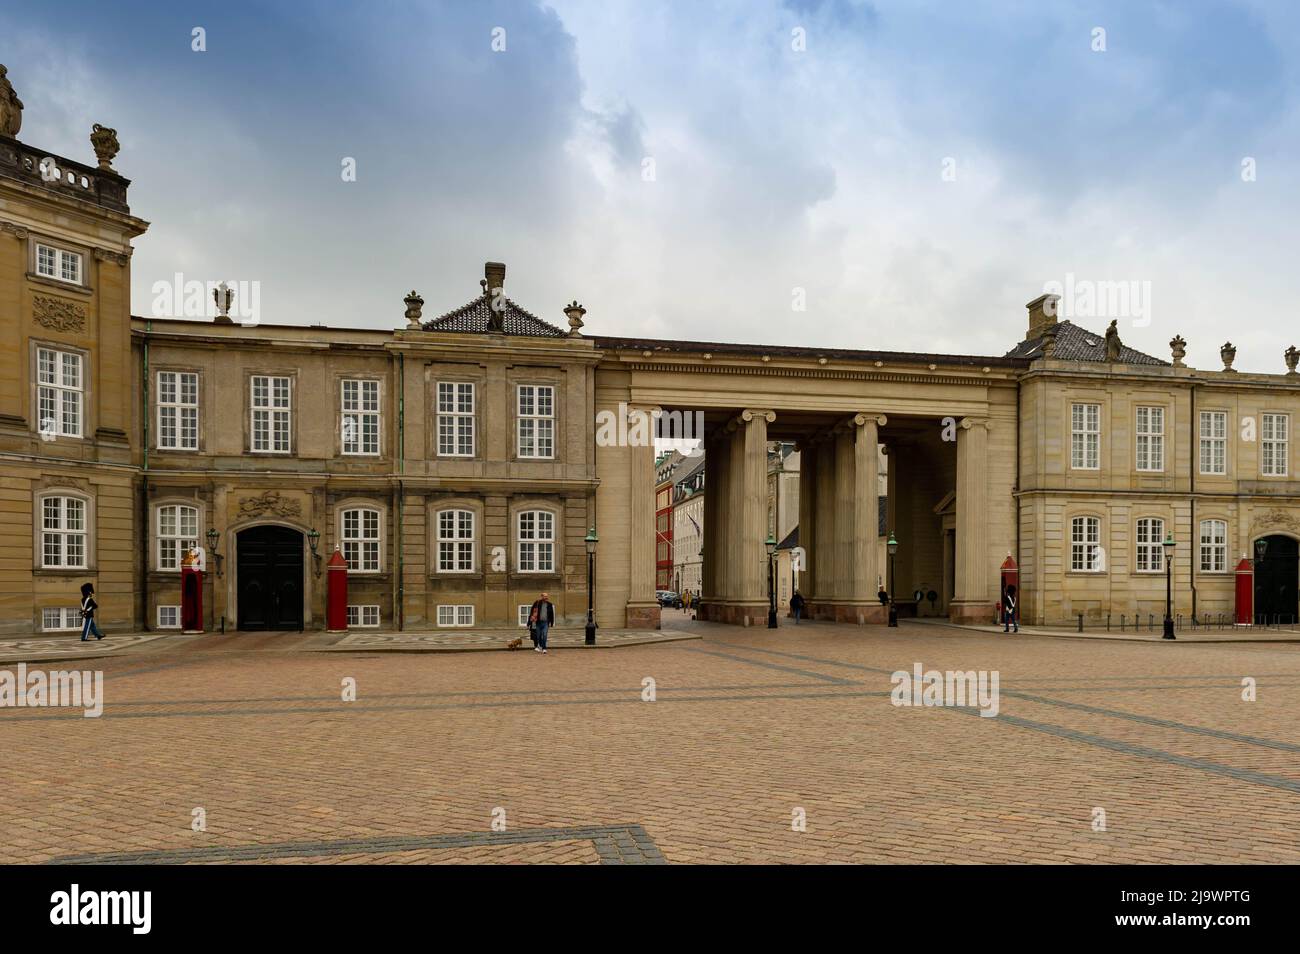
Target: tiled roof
475,317
1078,344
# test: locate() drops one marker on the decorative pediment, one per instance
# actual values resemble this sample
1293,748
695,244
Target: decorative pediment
1273,520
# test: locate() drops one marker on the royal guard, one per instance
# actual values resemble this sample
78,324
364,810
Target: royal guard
193,565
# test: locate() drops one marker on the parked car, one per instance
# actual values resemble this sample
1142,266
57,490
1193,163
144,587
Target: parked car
669,598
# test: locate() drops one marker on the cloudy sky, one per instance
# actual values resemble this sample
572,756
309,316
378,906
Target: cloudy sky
907,173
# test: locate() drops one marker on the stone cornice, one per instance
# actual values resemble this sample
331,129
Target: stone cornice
1007,377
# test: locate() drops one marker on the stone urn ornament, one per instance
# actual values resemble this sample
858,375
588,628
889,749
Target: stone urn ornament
104,140
1229,354
414,304
1178,347
575,313
1292,358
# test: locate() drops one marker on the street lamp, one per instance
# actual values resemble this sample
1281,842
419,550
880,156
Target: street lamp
313,538
1169,585
892,546
591,540
770,543
213,536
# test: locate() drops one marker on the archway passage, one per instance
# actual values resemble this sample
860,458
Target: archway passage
1277,579
269,578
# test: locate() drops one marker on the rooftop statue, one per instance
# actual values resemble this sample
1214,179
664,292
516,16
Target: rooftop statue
11,107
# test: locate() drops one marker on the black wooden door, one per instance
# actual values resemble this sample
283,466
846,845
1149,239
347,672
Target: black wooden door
270,578
1277,580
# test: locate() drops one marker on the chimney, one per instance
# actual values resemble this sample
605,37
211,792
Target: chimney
495,273
1042,314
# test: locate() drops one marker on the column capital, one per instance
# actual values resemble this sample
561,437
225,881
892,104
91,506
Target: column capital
13,228
750,413
866,417
968,422
634,410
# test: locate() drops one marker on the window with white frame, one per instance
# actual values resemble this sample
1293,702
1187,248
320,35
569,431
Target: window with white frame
455,541
63,532
456,614
1150,543
1214,442
178,533
272,406
58,263
455,419
1214,546
169,617
59,392
360,539
1085,544
1151,438
364,616
1085,436
1273,445
178,410
525,610
536,541
60,618
360,417
536,409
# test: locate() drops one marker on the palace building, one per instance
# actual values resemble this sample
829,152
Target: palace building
457,465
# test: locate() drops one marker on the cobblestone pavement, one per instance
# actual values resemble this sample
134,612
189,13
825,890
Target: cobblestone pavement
750,728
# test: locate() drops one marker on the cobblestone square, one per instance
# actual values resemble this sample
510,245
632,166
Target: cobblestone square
748,730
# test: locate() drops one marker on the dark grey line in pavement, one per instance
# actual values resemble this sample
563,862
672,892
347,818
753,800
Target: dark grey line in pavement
344,708
1163,723
151,669
765,665
615,845
1234,685
454,695
813,659
1128,748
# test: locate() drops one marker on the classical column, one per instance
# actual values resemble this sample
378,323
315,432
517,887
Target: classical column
642,607
713,573
807,516
972,600
866,517
823,558
845,545
753,552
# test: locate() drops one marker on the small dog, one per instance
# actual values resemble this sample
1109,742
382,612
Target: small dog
515,643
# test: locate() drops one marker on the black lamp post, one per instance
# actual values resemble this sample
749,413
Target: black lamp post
213,536
1169,585
591,540
892,546
771,582
313,538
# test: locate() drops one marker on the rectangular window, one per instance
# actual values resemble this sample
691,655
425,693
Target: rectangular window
455,419
55,619
63,533
1085,545
169,617
272,405
1273,445
360,417
178,410
1214,442
1151,438
1214,546
59,393
178,533
364,616
455,541
1085,436
456,615
524,610
1150,543
58,264
536,541
360,539
536,421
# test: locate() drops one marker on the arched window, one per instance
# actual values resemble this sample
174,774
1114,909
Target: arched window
455,541
359,539
177,533
1149,544
536,553
63,532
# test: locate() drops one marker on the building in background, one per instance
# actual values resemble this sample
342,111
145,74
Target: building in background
688,527
782,489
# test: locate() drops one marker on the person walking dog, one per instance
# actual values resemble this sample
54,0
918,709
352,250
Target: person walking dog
88,607
541,618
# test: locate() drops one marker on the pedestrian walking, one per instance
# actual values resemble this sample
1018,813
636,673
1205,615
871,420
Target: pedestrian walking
1010,622
540,619
88,607
796,606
